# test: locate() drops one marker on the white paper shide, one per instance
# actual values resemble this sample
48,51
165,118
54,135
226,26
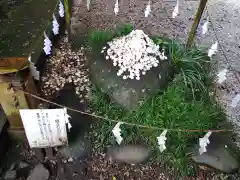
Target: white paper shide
213,49
205,27
55,26
33,70
45,127
222,76
162,140
148,9
116,8
88,5
203,142
47,44
61,9
67,119
175,10
117,133
235,101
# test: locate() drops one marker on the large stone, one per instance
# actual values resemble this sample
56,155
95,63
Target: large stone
129,93
219,155
39,173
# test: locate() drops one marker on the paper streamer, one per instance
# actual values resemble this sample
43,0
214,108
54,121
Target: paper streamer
213,49
61,9
235,101
88,5
205,27
55,27
67,119
33,70
117,133
148,9
222,76
47,45
175,10
203,142
116,8
162,140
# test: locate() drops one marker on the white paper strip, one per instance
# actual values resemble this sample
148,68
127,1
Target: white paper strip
148,9
203,142
213,49
61,9
222,76
175,11
44,127
162,140
67,119
33,70
88,5
47,45
205,27
235,101
117,133
116,8
55,25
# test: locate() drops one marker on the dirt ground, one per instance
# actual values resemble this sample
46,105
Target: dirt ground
98,167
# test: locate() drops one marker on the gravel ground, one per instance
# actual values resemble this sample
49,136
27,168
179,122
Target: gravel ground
98,167
66,67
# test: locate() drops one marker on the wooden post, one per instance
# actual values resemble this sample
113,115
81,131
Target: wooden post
197,19
67,7
12,99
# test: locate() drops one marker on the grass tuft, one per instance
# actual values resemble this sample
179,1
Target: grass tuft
98,39
192,64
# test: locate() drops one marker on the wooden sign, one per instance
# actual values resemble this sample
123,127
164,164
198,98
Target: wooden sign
45,127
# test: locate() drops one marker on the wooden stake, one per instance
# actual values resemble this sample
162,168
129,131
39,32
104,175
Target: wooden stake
197,19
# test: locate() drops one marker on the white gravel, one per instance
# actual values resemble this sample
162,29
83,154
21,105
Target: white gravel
66,67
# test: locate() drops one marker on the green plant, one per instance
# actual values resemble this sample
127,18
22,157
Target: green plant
98,39
170,109
162,42
193,65
123,30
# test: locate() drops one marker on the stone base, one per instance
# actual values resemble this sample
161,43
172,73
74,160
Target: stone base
129,93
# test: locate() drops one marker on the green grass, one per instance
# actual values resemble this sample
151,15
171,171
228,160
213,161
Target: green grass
169,109
185,104
98,39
